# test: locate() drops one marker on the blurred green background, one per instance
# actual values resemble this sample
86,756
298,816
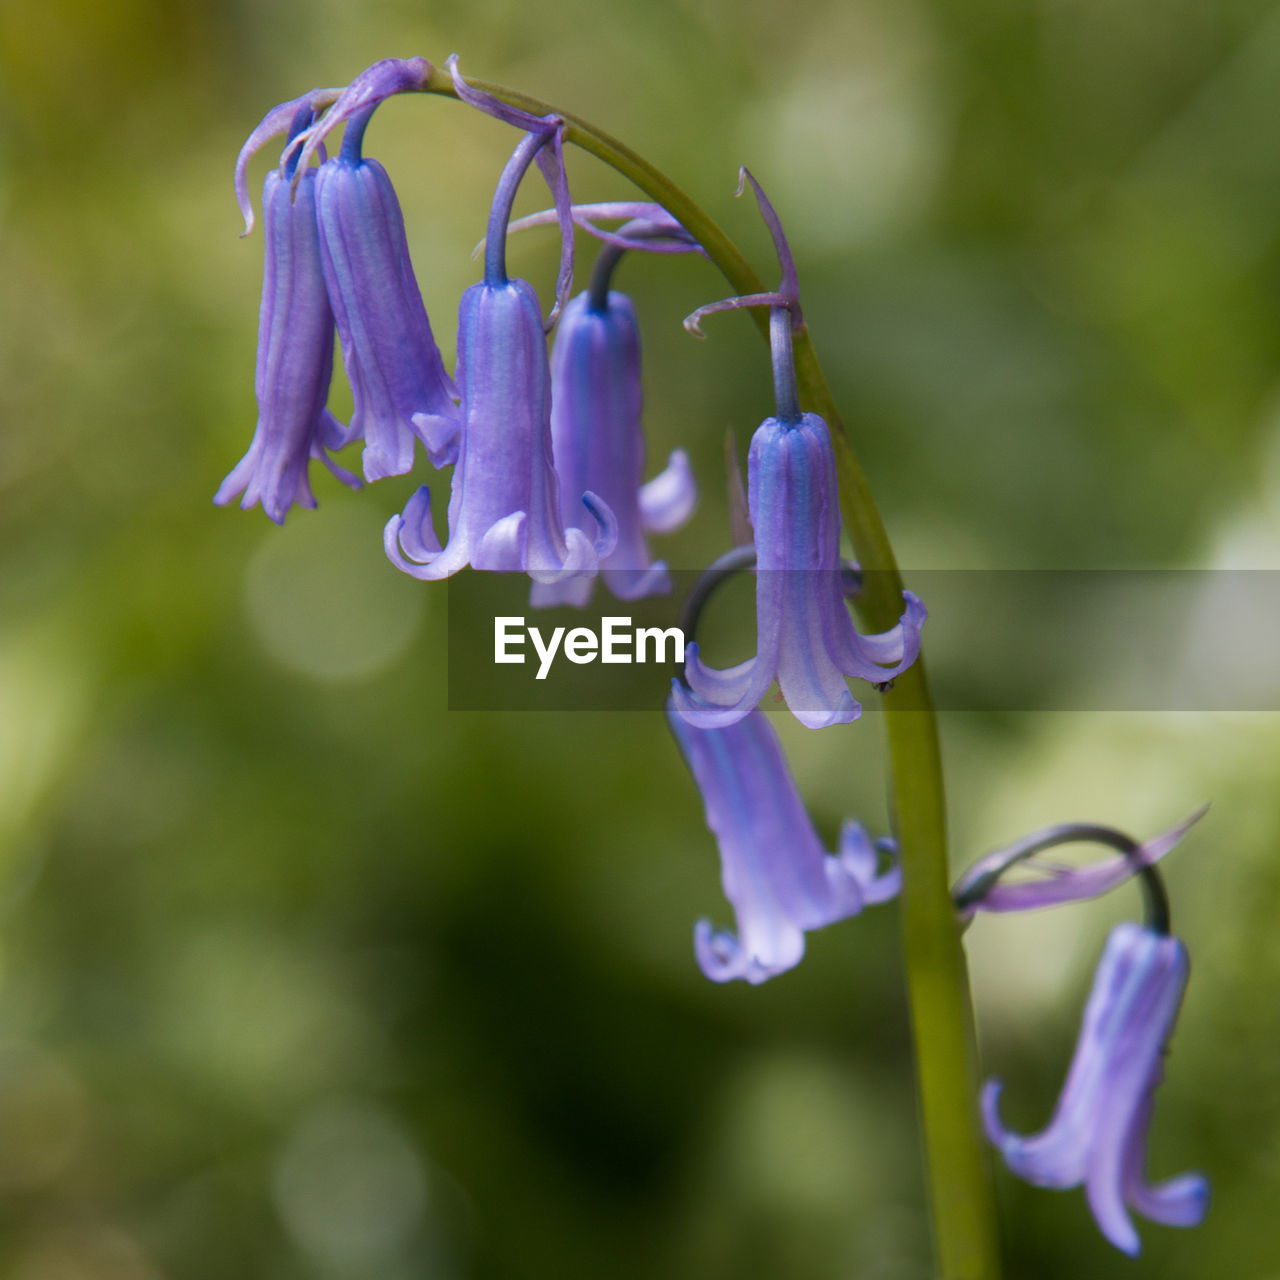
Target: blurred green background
302,975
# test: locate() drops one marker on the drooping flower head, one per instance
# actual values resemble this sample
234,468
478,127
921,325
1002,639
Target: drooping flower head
295,352
598,436
504,507
398,380
1097,1135
774,870
805,637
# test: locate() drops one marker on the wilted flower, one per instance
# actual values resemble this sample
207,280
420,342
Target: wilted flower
295,357
775,872
598,442
1097,1135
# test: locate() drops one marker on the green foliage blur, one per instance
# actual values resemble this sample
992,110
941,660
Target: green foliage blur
304,976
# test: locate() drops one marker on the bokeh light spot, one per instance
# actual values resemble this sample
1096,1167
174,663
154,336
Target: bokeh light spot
323,600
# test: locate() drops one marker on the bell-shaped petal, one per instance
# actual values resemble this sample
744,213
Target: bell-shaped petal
598,443
774,869
295,360
398,380
1097,1135
504,507
805,637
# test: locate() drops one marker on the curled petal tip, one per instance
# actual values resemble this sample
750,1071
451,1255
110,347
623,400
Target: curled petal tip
693,319
669,499
277,121
372,86
391,538
719,954
550,161
789,285
493,106
991,1090
649,228
606,523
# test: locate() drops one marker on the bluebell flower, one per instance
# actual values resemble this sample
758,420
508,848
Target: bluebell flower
774,869
398,380
1098,1132
295,358
504,506
805,637
598,441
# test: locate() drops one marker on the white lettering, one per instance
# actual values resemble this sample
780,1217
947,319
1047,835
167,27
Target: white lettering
504,636
614,643
581,645
546,653
612,640
660,638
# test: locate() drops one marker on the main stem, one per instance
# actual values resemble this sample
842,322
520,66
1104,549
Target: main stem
937,980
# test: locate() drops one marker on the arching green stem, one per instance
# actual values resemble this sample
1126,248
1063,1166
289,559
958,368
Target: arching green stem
937,983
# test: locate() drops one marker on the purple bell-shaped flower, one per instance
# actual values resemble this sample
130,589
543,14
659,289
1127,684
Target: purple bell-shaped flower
805,638
1097,1135
775,871
398,380
504,507
295,353
1098,1132
598,441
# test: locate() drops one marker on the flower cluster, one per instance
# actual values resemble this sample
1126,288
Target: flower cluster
526,470
549,462
336,256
